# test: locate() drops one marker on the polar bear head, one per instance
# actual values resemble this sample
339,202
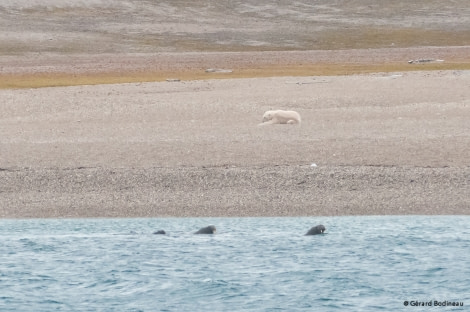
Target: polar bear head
268,115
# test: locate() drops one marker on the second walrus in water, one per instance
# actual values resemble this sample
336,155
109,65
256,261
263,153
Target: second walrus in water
207,230
318,229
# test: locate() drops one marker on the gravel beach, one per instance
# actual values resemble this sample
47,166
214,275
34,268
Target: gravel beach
136,131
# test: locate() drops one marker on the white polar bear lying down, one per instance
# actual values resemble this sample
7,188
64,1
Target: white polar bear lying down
280,117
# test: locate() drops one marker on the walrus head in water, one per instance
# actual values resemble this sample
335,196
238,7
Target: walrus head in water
161,232
318,229
207,230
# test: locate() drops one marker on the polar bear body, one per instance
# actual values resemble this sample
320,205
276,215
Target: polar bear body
280,117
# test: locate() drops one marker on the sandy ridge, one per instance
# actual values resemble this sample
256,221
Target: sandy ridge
96,63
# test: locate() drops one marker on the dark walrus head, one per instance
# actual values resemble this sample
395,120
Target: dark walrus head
207,230
160,232
319,229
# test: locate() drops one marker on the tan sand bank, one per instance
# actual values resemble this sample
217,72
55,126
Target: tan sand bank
45,69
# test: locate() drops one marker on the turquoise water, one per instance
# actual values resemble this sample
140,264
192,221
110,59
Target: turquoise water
251,264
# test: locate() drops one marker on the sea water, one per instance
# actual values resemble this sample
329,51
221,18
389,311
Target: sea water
409,263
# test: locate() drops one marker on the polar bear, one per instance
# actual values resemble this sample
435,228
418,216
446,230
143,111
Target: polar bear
280,117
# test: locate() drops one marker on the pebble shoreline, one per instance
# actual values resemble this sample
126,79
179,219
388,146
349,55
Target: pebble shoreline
233,192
